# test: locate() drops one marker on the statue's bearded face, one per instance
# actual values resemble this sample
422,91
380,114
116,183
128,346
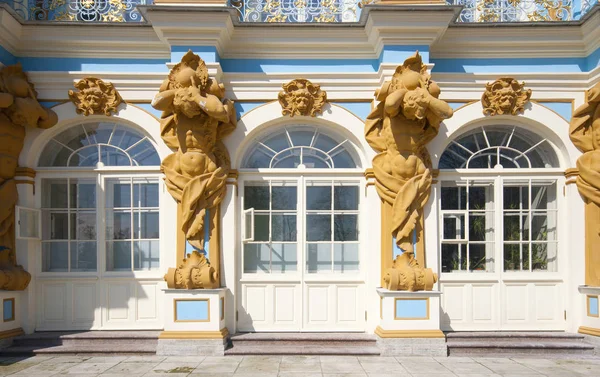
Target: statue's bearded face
506,99
302,100
185,102
415,104
94,97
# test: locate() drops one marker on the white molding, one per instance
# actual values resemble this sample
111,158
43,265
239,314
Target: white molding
10,31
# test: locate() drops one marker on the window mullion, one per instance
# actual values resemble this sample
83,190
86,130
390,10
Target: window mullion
332,225
68,224
467,236
131,218
270,226
530,223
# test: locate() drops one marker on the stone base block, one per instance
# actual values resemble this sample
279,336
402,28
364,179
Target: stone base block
412,346
191,347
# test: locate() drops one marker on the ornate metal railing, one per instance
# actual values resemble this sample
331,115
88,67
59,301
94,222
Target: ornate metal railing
308,11
78,10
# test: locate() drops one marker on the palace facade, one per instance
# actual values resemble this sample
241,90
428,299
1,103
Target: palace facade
204,168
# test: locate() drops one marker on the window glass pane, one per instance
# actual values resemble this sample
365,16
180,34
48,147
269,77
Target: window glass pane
118,256
55,256
318,198
343,160
454,227
318,227
146,225
145,193
146,255
54,154
284,198
99,132
55,225
539,256
54,193
451,260
144,153
114,157
284,257
516,195
318,257
345,227
453,197
325,143
481,226
256,197
256,257
83,226
345,257
261,227
118,194
284,227
345,198
86,157
278,142
260,158
83,256
124,139
313,160
512,257
303,138
288,160
477,257
118,225
513,230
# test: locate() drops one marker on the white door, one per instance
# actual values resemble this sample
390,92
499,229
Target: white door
499,233
301,268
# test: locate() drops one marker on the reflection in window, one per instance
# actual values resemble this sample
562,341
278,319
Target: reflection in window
99,144
494,147
299,147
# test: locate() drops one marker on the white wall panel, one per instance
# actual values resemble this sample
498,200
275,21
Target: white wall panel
285,298
317,304
516,302
347,304
84,303
54,301
117,299
146,301
483,300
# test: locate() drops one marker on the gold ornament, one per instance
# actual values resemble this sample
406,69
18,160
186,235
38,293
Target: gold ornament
505,96
194,273
407,275
585,135
302,97
19,108
95,97
407,117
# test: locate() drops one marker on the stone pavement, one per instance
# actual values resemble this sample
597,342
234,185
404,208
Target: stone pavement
295,366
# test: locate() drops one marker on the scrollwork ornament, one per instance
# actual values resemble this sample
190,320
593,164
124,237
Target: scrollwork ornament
505,96
194,273
95,97
302,97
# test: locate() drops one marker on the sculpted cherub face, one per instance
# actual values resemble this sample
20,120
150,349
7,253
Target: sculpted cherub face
506,99
415,104
94,96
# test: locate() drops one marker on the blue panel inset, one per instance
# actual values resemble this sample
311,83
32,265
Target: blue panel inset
8,310
6,57
148,107
512,65
411,309
187,310
564,109
241,108
398,54
456,105
93,64
360,109
593,305
208,53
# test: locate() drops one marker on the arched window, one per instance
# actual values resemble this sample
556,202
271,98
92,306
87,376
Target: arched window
94,220
99,144
491,211
300,147
498,147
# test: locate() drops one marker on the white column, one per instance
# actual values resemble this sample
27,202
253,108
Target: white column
371,244
229,254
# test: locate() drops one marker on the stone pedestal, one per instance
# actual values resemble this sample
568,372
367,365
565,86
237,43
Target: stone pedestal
194,322
590,323
410,324
10,317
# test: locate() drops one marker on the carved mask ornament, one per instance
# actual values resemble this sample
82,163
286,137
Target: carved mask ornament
505,96
302,97
95,97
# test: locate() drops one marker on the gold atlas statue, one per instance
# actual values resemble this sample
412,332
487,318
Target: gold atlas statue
196,117
19,108
585,134
406,119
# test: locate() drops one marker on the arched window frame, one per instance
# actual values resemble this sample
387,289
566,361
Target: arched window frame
497,179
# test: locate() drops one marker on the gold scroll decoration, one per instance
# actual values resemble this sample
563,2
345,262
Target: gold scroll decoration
585,135
407,117
196,117
95,97
302,97
505,96
19,108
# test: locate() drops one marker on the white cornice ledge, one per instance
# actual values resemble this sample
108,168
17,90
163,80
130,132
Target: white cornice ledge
10,30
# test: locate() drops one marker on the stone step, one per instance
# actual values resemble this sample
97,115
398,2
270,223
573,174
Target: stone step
298,336
148,349
276,349
92,342
516,347
500,335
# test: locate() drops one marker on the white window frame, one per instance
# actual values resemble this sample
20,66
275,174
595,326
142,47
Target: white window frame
18,219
